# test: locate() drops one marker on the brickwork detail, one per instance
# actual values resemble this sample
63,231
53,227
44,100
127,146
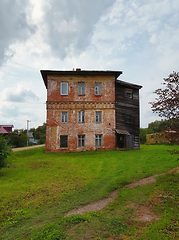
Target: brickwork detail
80,105
73,103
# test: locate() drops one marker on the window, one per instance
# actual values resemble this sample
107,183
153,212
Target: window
64,117
81,140
64,88
129,93
81,88
98,117
81,116
129,118
97,89
98,140
63,141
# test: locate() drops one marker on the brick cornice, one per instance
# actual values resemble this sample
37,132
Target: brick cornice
79,105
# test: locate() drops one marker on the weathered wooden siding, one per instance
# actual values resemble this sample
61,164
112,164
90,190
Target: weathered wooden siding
128,106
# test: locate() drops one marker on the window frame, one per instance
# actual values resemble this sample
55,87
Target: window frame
128,93
81,89
98,116
81,140
98,140
81,116
98,89
66,141
64,117
128,118
61,88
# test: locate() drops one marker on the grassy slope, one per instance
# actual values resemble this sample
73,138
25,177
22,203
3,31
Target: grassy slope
38,188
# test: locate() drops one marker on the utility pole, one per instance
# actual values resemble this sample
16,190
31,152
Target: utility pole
27,130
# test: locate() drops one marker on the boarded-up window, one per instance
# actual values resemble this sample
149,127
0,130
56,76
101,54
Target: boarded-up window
63,141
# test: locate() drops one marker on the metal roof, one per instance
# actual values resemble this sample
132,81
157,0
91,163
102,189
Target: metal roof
6,128
78,72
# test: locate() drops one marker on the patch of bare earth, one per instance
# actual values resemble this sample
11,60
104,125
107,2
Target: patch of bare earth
143,213
95,206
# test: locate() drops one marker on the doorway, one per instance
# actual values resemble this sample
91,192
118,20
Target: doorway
120,141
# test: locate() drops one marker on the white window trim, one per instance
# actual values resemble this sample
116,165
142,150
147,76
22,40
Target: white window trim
97,120
82,140
81,115
97,88
63,83
98,138
63,117
81,89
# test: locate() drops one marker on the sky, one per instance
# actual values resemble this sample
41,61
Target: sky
138,37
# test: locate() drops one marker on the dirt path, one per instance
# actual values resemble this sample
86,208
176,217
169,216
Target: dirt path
25,148
98,205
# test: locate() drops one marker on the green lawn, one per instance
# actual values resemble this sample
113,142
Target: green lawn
39,188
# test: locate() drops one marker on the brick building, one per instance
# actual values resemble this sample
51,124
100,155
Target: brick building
90,110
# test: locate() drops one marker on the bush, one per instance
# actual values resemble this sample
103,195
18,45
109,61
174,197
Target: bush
16,140
5,150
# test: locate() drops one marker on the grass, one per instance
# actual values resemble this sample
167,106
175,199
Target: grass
39,188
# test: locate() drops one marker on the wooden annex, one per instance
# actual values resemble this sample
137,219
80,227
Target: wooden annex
90,110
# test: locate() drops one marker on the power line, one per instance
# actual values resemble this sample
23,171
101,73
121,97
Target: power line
24,102
12,118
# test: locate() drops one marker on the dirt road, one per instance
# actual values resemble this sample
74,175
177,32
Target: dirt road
29,147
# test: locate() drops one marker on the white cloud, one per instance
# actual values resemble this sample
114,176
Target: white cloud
19,94
14,26
137,37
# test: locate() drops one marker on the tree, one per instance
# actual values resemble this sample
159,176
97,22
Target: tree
40,133
5,150
167,102
16,140
143,133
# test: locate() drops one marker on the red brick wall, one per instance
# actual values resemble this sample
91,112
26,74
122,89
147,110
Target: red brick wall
74,103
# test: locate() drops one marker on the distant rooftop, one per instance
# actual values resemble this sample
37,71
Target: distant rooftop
6,129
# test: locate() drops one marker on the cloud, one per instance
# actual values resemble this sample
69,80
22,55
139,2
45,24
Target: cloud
14,26
12,111
69,25
19,94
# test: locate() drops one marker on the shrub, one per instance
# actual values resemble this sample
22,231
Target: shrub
5,150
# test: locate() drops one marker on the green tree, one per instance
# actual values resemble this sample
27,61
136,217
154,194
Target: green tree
5,150
16,140
143,133
40,133
166,103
